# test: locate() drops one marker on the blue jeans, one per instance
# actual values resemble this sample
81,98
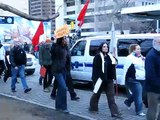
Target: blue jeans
136,87
61,98
14,73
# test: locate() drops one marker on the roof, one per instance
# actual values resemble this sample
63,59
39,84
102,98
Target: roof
148,12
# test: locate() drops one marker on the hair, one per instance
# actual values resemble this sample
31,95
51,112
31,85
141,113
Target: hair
101,45
59,41
132,47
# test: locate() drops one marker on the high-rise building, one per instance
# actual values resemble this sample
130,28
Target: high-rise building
42,8
99,14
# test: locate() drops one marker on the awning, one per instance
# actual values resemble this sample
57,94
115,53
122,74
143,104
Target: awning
148,12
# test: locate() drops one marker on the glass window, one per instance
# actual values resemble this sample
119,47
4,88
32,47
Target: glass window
123,45
79,49
94,46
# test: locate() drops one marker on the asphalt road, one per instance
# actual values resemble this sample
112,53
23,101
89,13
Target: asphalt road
11,109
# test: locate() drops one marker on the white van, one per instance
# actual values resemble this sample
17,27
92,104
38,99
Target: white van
84,50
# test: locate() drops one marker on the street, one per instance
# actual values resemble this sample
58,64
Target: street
77,108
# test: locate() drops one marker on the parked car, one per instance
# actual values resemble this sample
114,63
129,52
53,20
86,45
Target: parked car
31,60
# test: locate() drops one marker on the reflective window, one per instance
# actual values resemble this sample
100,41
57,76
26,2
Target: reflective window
79,49
123,45
94,46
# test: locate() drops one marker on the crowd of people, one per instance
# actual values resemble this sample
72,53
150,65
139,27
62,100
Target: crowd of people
141,74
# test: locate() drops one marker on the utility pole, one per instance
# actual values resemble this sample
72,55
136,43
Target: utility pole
157,23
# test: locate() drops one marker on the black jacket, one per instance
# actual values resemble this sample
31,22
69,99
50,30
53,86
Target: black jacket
152,68
59,58
17,56
109,69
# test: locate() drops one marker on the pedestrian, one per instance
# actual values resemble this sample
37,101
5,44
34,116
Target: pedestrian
2,59
134,74
18,61
69,82
26,47
46,61
104,61
152,68
59,57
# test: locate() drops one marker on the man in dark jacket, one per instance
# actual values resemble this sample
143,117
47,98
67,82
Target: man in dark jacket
18,61
152,68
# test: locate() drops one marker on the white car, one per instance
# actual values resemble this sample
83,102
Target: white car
31,60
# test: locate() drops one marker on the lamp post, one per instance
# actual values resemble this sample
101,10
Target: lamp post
157,23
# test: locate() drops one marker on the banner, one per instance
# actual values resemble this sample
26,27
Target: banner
62,31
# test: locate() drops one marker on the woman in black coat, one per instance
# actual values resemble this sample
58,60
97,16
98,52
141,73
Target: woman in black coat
104,70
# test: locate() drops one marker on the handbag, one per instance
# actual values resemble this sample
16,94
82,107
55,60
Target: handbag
42,71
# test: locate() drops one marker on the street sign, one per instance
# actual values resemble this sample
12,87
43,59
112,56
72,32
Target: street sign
6,20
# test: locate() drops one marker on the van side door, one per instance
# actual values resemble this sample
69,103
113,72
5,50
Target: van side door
78,59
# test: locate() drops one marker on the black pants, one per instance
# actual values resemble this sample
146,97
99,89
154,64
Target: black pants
7,73
69,85
48,77
2,66
108,88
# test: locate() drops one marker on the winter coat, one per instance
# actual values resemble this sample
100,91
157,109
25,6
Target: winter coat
45,54
152,68
109,69
59,58
17,56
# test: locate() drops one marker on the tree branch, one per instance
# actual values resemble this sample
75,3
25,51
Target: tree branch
24,15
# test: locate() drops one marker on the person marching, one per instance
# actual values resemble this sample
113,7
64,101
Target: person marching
104,69
134,74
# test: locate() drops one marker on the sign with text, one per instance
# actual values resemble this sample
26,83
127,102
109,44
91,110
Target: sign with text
62,31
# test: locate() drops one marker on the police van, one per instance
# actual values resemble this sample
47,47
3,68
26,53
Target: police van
84,50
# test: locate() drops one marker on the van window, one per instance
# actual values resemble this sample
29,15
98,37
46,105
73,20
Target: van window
123,45
94,45
79,49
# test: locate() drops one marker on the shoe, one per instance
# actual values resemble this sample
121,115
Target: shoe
128,106
40,83
75,98
46,90
27,90
65,111
141,114
117,116
53,97
13,90
92,110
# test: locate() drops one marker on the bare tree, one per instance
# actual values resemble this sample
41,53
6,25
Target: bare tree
11,9
108,11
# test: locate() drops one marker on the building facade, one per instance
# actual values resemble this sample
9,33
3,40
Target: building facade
43,8
98,17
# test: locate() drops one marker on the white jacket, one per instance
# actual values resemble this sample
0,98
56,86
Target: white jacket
138,64
2,53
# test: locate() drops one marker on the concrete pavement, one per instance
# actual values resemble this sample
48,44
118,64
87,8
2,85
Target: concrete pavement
79,108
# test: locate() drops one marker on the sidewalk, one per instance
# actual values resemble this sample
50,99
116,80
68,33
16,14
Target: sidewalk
78,108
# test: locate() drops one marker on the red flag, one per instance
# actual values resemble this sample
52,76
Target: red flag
39,32
82,13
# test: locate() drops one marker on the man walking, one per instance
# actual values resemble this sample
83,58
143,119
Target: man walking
152,68
18,60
